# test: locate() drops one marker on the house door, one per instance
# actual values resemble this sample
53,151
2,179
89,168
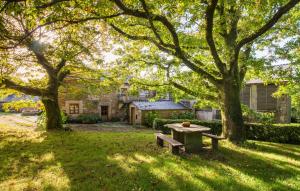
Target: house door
132,115
104,113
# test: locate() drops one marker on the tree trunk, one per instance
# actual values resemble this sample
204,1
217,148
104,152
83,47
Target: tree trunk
53,120
231,112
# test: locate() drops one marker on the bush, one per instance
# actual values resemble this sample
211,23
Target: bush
185,115
281,133
89,118
64,117
41,121
115,119
250,115
150,117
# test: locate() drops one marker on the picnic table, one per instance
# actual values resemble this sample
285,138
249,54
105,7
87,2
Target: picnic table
190,137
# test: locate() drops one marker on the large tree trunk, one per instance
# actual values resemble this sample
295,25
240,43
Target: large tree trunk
53,120
231,112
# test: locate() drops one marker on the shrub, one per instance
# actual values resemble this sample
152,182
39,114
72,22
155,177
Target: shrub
185,115
250,115
115,119
150,117
88,118
41,121
281,133
64,117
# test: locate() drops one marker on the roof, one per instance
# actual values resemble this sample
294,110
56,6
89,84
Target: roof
159,105
259,81
255,81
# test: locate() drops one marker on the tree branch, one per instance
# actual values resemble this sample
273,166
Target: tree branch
42,60
155,17
209,35
60,65
62,75
145,38
179,54
153,28
24,89
281,11
192,93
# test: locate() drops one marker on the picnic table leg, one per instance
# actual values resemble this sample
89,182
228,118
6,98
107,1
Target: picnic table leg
178,136
159,142
193,142
214,144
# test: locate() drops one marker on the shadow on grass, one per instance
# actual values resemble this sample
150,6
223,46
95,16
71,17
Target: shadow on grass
130,161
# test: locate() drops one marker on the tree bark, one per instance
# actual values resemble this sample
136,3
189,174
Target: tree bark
53,117
231,112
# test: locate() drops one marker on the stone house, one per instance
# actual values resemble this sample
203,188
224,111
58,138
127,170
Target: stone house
138,110
259,97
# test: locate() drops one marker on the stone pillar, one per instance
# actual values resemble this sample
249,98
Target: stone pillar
283,111
253,97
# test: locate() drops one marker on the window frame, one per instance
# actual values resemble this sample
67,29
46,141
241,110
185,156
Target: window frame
74,108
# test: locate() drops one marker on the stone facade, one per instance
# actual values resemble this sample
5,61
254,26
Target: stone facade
107,105
259,97
112,105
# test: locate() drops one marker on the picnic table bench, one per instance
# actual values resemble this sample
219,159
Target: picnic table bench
173,144
214,140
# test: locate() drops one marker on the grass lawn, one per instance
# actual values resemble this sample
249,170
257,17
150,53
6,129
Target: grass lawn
131,161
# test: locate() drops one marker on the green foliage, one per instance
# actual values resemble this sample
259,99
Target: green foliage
115,119
88,118
18,105
185,115
150,117
250,115
41,121
281,133
64,117
295,115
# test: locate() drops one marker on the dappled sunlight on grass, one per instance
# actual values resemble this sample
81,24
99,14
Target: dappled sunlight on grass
132,161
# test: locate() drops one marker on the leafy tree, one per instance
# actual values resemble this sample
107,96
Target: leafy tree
214,39
40,48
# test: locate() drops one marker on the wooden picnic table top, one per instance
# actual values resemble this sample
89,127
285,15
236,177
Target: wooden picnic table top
192,129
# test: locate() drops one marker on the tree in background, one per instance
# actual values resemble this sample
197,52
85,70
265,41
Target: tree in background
214,39
40,49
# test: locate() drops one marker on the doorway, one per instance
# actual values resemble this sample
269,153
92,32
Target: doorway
132,115
104,113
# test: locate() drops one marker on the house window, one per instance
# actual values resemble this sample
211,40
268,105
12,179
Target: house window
74,108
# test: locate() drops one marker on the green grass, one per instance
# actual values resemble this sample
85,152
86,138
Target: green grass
131,161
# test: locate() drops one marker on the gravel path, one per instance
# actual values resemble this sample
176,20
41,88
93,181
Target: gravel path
106,126
17,120
29,123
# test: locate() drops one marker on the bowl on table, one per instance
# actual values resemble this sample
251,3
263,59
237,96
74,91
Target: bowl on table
186,124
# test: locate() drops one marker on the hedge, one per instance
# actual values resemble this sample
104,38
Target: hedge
281,133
